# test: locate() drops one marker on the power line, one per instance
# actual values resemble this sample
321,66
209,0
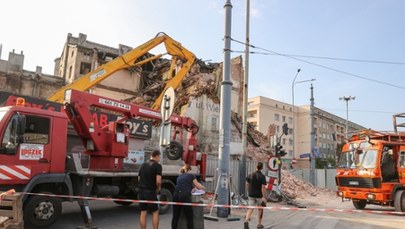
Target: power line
327,58
269,52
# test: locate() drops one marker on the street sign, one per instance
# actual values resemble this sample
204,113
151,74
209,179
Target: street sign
273,164
316,152
272,173
305,155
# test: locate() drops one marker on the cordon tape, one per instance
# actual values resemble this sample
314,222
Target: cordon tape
219,205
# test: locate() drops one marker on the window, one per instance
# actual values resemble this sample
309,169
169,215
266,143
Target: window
37,130
214,123
70,73
276,117
289,120
252,114
9,142
402,159
85,68
284,118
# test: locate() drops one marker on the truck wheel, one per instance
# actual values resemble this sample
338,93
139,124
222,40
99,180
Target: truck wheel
174,151
359,204
41,211
165,195
399,202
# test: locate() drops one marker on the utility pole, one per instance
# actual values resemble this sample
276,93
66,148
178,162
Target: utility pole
225,118
242,171
347,99
312,155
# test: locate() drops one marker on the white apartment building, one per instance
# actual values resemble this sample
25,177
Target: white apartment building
269,115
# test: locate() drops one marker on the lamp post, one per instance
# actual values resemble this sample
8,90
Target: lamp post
292,125
293,106
347,99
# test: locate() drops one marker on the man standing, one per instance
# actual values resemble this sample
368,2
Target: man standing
256,186
150,179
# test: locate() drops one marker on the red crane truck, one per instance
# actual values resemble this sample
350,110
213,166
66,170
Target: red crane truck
40,153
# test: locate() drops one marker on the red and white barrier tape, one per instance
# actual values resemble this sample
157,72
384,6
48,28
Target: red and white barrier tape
220,205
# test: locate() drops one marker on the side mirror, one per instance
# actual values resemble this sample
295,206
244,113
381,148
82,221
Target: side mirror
368,139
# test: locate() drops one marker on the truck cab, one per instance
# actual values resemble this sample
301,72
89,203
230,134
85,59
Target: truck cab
33,142
371,170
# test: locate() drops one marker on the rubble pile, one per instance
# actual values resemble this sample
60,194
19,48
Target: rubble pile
297,188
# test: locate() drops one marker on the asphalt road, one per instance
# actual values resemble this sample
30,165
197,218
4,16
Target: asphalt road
108,215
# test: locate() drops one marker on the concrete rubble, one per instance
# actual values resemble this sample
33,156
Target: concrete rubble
297,188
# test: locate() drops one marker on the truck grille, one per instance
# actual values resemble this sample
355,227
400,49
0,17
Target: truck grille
359,182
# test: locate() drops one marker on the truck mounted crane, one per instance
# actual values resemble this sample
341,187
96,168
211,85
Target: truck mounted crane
39,155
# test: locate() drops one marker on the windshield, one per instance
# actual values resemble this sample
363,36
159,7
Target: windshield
365,159
345,160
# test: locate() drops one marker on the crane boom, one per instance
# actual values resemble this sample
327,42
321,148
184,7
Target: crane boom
131,59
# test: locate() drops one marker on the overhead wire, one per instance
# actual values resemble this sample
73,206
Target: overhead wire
269,52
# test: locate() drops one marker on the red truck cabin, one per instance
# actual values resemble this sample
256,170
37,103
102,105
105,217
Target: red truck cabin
33,141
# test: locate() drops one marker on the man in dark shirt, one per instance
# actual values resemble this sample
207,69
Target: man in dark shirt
150,179
256,186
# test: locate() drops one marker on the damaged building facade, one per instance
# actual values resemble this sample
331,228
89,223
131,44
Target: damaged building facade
15,79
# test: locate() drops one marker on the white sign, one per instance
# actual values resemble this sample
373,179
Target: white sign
31,151
272,173
135,157
114,104
272,164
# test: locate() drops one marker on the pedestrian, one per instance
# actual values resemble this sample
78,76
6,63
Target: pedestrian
256,186
185,184
150,179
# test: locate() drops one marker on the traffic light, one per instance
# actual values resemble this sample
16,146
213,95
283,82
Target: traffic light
280,152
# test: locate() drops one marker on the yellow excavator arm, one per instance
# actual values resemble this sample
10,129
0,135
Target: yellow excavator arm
128,60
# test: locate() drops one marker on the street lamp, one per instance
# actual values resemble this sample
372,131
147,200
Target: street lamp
347,99
293,105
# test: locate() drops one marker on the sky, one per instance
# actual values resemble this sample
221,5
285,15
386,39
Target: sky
351,48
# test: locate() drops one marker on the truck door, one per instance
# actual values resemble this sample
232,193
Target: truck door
401,166
25,148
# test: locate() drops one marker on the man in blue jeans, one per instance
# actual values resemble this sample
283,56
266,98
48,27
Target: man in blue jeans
256,186
150,179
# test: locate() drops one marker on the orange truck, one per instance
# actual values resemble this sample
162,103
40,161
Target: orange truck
371,169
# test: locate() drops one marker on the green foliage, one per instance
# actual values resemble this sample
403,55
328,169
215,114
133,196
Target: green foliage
322,163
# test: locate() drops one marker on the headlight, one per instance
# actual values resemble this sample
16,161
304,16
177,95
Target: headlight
340,193
370,196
